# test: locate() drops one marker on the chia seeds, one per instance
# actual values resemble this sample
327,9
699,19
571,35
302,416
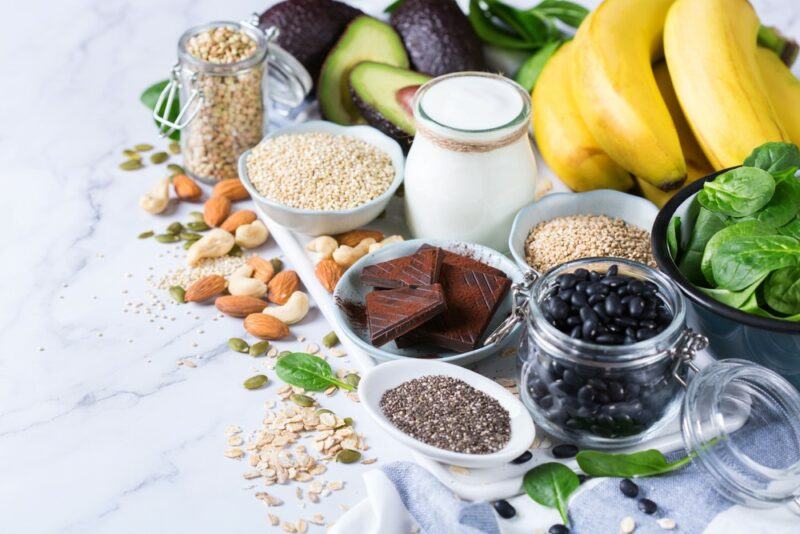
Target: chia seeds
448,413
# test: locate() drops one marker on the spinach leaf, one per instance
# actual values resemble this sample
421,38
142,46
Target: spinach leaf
569,13
705,226
782,290
530,70
792,229
740,261
738,192
644,463
745,228
532,26
778,159
150,98
752,306
489,33
673,231
734,299
784,205
308,372
550,484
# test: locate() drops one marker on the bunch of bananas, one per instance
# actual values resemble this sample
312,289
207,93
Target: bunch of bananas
660,93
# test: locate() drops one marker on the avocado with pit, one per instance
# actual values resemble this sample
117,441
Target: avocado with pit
383,95
308,29
438,37
365,39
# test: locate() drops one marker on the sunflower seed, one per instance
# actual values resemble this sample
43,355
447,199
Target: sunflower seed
255,382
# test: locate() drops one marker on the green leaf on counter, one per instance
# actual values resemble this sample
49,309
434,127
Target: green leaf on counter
308,372
550,484
638,464
150,98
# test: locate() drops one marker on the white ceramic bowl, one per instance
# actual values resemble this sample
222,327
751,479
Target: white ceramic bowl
631,209
391,374
312,222
350,289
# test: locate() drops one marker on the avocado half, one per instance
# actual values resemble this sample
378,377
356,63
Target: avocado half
364,39
383,94
438,37
308,29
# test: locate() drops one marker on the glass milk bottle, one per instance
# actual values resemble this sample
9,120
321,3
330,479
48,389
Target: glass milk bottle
471,166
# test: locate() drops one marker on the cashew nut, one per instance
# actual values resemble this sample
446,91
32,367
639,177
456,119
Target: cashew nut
251,287
244,271
252,235
156,200
387,241
323,246
214,244
347,256
292,311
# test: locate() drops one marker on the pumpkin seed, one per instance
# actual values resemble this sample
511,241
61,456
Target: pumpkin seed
131,165
330,339
197,226
159,157
277,265
302,400
178,293
348,421
174,147
188,244
322,411
174,168
352,379
145,235
348,456
167,238
143,147
235,250
255,382
131,154
175,228
197,216
257,349
239,345
189,236
284,353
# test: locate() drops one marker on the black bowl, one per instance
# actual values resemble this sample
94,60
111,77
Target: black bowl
732,333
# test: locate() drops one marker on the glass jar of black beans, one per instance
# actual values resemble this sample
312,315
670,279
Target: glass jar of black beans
596,366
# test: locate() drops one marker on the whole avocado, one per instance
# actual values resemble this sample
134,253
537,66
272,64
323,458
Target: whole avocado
308,28
438,37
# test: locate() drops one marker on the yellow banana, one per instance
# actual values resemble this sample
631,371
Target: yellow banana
710,47
564,142
697,165
617,94
783,89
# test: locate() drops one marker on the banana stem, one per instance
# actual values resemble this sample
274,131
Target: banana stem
785,48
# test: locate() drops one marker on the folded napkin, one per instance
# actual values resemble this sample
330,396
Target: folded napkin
403,497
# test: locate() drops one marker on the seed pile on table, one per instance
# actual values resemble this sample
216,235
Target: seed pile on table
319,171
563,239
448,413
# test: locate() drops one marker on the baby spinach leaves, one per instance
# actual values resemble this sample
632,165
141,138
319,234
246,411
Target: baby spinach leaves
705,226
673,237
644,463
308,372
739,192
778,159
740,261
784,204
745,228
550,484
782,290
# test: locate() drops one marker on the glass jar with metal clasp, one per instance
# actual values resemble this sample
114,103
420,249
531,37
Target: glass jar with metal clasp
739,421
223,99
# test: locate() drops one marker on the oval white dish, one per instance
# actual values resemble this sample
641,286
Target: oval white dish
313,222
391,374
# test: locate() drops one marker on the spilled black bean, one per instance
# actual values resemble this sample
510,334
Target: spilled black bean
628,487
647,506
504,509
565,450
522,458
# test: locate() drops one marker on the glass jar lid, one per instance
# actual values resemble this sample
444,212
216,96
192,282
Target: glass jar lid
741,422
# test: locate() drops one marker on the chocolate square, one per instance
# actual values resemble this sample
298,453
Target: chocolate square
420,269
394,312
465,262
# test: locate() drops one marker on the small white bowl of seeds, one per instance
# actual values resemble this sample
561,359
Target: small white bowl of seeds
320,178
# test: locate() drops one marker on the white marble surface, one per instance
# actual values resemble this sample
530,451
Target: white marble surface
101,431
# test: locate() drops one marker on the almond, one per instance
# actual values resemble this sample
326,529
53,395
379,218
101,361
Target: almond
328,273
186,188
205,288
354,237
216,210
239,305
262,269
282,286
238,218
265,326
232,189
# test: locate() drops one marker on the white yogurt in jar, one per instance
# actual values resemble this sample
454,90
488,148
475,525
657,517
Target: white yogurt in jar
471,166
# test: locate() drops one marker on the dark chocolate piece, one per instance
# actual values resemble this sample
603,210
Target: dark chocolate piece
465,262
394,312
419,269
472,298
